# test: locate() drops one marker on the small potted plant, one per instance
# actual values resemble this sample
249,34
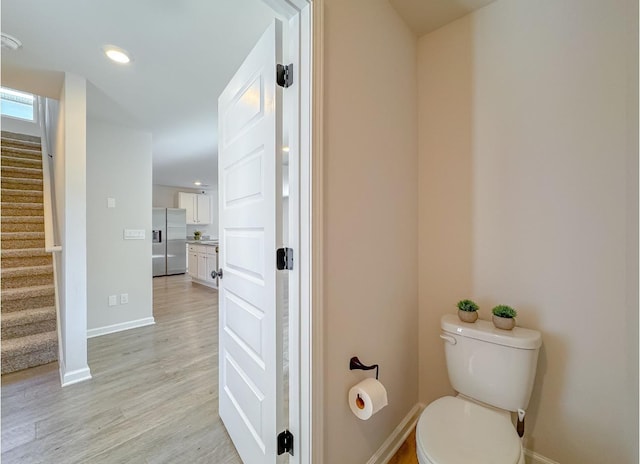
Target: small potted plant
504,317
196,235
467,311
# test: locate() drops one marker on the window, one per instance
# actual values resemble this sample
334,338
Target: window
16,104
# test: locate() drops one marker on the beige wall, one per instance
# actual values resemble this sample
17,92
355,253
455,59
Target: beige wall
528,197
371,225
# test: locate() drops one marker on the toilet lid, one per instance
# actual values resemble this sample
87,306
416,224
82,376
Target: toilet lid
455,431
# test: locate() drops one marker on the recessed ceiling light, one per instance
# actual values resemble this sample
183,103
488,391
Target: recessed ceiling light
197,183
9,42
285,149
116,54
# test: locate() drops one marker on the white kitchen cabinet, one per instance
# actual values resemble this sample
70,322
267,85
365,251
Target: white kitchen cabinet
192,263
197,205
212,265
202,266
202,260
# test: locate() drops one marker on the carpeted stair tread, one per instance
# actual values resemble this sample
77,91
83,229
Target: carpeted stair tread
29,344
35,358
26,276
19,183
17,171
21,196
28,316
26,271
22,209
20,152
8,135
22,223
24,253
21,219
12,294
25,257
22,235
23,244
7,160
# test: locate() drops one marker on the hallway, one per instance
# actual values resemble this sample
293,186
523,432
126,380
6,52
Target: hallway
153,397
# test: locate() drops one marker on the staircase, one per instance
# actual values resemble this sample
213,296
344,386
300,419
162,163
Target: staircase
28,320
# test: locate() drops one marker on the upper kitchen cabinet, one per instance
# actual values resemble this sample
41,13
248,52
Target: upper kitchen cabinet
198,207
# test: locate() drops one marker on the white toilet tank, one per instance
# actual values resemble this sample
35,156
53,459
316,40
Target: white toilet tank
494,366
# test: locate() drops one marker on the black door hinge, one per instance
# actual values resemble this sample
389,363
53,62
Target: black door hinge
285,443
284,259
284,75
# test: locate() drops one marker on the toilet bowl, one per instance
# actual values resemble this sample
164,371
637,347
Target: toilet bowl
452,430
493,371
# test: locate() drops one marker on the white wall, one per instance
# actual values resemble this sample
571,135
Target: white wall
71,209
19,126
370,218
165,196
528,196
117,266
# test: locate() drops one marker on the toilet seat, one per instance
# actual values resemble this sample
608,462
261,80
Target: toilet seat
452,430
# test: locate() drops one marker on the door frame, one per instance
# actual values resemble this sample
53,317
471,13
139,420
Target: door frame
304,20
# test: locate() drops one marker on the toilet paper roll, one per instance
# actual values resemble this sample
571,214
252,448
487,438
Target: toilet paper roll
367,398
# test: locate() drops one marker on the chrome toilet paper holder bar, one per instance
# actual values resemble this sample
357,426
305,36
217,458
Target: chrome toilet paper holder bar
354,363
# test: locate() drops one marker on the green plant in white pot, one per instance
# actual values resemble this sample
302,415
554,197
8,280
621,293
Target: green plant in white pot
196,235
504,317
467,311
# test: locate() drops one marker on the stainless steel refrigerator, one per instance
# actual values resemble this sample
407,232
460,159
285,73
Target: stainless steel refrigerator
169,241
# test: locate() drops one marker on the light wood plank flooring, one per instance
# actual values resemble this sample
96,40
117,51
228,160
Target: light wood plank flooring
407,452
153,397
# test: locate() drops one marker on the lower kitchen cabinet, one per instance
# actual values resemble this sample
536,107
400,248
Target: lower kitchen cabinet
203,259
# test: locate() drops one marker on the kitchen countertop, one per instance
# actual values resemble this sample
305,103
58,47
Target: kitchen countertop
203,242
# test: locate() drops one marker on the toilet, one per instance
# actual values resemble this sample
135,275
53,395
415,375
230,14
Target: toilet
493,371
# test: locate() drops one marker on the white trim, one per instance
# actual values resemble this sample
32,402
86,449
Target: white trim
313,220
91,333
69,378
535,458
399,435
306,378
291,120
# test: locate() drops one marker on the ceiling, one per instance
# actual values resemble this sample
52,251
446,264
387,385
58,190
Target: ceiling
184,52
424,16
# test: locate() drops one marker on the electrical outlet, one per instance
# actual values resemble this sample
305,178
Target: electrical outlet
124,298
113,300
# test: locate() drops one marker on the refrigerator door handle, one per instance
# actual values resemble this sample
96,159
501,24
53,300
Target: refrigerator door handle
157,236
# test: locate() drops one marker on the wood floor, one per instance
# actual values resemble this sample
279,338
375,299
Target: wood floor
407,452
153,397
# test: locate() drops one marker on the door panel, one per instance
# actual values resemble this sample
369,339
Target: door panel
250,173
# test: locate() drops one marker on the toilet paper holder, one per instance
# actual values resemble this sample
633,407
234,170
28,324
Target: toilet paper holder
354,363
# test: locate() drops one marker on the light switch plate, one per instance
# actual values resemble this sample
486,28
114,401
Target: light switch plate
134,234
124,298
113,300
111,202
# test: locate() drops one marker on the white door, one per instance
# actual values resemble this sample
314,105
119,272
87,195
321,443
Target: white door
249,114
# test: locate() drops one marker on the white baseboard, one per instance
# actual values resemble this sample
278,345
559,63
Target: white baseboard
397,437
120,327
534,458
69,378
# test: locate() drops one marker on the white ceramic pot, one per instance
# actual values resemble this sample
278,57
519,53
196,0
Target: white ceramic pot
504,323
468,316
